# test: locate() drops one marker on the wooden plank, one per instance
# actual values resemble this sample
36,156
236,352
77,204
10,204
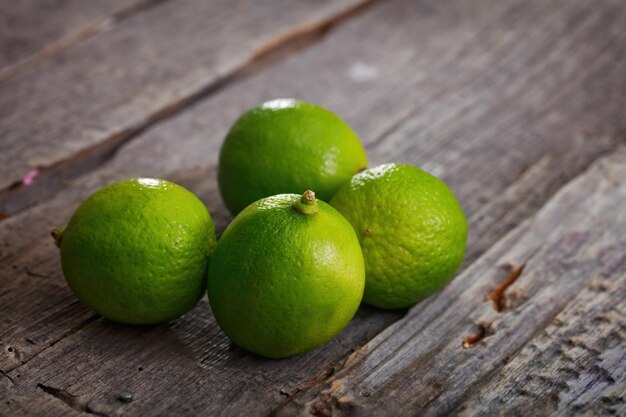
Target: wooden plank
91,97
31,31
172,370
569,267
22,404
576,365
428,104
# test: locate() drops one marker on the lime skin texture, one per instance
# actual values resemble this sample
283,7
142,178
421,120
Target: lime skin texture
287,146
411,228
136,251
287,276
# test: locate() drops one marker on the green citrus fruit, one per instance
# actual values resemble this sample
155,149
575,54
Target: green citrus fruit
411,228
287,275
136,251
287,146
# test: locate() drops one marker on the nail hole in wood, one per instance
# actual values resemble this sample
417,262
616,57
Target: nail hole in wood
472,339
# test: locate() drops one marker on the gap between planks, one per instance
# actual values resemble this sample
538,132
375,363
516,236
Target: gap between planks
79,35
51,179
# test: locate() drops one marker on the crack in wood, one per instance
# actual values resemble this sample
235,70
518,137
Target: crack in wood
315,380
321,409
497,296
332,400
8,376
290,395
73,330
356,353
80,35
300,37
55,177
78,327
34,274
73,401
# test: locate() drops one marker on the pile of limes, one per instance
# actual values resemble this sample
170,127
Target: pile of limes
290,271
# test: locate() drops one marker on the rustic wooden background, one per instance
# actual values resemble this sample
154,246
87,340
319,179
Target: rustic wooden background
519,105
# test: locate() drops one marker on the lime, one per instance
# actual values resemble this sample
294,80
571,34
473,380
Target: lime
287,146
411,228
287,275
136,251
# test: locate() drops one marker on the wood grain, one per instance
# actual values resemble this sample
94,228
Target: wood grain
190,359
562,324
92,97
20,404
33,30
506,105
575,365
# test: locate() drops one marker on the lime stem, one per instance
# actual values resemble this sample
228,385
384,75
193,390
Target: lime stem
307,203
57,235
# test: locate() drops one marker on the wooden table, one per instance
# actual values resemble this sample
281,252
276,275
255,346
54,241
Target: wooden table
519,105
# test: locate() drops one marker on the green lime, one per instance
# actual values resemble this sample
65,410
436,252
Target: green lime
287,146
287,275
136,251
411,228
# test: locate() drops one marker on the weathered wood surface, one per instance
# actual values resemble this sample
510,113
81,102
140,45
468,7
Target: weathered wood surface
564,309
576,365
505,121
33,30
91,97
